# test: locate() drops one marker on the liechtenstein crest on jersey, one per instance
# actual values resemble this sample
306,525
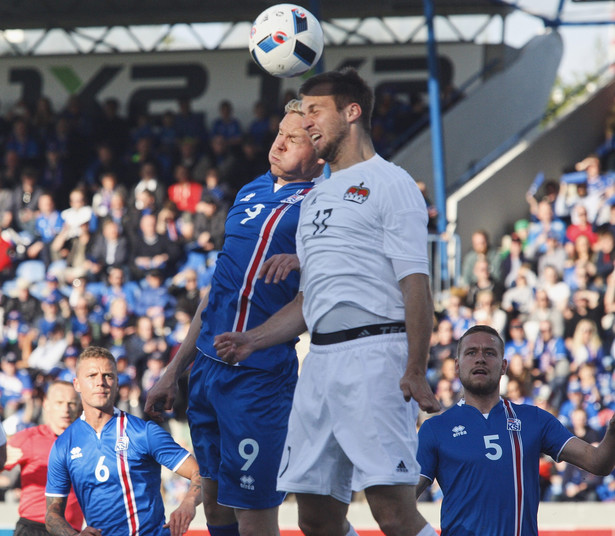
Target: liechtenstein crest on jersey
357,194
121,443
513,425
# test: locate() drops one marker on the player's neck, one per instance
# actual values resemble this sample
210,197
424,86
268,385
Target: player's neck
483,403
97,418
357,148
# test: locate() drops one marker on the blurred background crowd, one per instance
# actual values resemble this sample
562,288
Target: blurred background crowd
110,227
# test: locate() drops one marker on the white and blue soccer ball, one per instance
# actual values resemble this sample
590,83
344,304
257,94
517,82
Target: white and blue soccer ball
286,40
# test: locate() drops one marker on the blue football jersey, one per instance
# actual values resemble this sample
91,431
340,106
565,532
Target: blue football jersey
262,222
115,475
487,468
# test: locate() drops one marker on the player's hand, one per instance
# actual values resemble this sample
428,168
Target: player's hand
180,519
90,531
277,267
416,386
161,397
233,346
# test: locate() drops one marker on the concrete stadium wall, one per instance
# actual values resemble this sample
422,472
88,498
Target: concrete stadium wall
495,198
500,108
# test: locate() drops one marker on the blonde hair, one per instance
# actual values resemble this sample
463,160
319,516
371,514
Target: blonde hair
293,106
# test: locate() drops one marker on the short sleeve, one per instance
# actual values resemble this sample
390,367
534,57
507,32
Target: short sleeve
163,447
427,455
58,478
554,434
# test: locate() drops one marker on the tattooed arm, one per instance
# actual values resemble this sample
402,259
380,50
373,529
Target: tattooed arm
56,523
181,518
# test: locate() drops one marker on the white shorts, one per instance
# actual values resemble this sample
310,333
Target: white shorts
350,427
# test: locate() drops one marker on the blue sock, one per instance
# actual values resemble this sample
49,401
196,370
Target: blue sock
223,530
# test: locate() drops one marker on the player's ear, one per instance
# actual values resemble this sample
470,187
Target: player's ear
504,366
76,385
353,112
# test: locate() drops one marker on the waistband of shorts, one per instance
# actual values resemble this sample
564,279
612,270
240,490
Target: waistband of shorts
357,333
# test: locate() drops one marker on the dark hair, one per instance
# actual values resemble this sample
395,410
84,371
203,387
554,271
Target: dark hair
346,87
480,329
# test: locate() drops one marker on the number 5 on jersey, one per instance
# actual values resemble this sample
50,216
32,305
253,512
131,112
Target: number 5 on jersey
493,448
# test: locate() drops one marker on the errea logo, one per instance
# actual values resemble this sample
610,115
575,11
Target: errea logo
459,430
76,453
247,482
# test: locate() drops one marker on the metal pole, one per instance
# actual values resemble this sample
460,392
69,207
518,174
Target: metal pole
437,144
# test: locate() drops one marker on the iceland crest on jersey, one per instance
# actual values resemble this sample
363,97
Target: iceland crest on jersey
121,443
513,425
295,198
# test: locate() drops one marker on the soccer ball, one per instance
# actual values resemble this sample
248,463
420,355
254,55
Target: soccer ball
286,40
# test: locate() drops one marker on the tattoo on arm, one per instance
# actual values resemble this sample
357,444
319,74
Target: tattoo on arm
54,519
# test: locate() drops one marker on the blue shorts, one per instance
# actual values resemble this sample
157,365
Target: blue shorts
238,422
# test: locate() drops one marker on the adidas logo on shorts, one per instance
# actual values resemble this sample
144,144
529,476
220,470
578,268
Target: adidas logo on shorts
401,467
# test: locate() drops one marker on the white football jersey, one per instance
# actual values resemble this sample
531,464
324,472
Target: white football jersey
351,229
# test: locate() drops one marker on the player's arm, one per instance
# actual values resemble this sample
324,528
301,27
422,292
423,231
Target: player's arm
162,395
423,484
419,309
56,523
283,326
599,460
180,519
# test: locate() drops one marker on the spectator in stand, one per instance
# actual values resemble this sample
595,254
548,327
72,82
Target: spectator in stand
184,288
69,254
551,364
153,298
512,260
487,311
17,335
184,192
106,161
111,127
154,369
142,344
586,345
22,302
515,393
605,254
258,128
445,394
558,291
24,143
520,370
15,385
108,249
47,225
152,251
24,204
543,309
68,370
80,320
445,346
209,224
103,197
519,299
555,255
516,342
190,124
481,249
227,125
149,180
10,171
50,351
214,188
586,304
456,311
145,153
30,450
483,280
539,230
599,185
77,214
54,172
581,226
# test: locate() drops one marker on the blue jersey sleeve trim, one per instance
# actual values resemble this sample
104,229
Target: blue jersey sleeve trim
561,450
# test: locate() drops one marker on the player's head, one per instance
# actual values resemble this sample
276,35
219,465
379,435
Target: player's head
480,360
345,87
337,106
292,156
96,379
61,406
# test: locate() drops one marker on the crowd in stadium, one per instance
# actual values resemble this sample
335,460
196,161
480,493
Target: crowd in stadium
110,230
